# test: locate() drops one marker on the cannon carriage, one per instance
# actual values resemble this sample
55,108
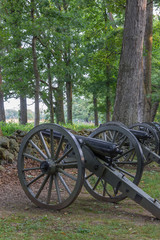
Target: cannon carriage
53,165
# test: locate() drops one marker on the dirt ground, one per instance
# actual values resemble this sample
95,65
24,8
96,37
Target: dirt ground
13,199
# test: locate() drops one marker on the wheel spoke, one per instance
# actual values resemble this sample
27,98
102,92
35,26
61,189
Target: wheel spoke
42,186
35,179
57,189
50,189
68,174
105,189
44,144
64,183
115,134
122,139
32,157
64,155
123,154
126,162
52,144
107,137
29,169
94,187
38,149
90,175
133,156
122,170
59,147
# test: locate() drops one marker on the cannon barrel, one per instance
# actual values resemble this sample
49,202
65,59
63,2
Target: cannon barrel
140,135
98,146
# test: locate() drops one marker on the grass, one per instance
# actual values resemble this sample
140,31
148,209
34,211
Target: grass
70,225
9,128
86,219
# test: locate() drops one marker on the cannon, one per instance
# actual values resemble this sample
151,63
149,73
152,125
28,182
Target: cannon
53,165
148,138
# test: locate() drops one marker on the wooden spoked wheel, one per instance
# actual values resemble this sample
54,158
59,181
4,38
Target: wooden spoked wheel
129,162
50,166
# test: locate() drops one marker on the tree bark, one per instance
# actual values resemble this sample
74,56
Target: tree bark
69,101
37,81
23,110
155,106
147,61
129,102
2,111
96,122
35,69
108,109
50,95
59,104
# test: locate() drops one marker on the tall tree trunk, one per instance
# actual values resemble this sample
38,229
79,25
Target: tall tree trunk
50,95
2,111
147,61
35,69
59,104
108,108
37,81
69,101
95,111
129,102
155,106
23,110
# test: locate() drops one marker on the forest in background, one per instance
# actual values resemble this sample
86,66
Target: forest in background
66,54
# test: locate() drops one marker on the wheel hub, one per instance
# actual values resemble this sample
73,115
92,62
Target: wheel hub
48,167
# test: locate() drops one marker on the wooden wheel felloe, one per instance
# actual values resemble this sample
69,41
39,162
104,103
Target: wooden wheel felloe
50,166
130,162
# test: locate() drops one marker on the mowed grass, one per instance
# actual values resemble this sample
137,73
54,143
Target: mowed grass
86,219
58,227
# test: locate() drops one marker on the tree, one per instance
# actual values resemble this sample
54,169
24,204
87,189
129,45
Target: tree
2,112
13,59
129,102
101,43
147,62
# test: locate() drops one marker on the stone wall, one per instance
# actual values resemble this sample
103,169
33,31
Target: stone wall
9,147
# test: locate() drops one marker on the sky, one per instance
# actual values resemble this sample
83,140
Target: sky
15,105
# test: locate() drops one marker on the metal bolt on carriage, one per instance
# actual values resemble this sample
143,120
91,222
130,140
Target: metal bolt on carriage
53,164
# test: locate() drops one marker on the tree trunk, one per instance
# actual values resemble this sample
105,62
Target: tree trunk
35,69
2,111
59,104
50,95
129,102
23,110
96,122
69,101
147,61
155,106
108,108
37,81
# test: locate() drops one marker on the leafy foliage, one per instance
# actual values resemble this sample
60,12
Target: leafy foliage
80,41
